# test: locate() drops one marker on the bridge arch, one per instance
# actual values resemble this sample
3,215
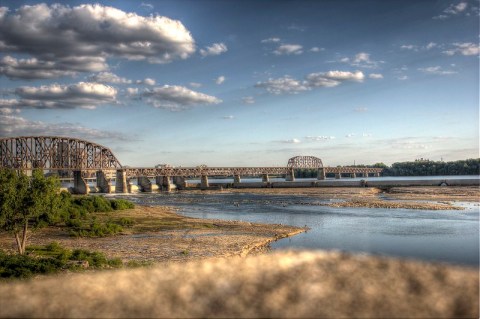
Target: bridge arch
305,162
55,153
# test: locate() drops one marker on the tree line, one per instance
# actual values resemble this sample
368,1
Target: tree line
415,168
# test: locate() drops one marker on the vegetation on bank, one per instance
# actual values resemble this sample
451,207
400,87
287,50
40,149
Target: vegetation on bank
51,259
29,203
416,168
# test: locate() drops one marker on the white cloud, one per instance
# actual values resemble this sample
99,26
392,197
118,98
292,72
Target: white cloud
362,60
290,85
195,84
146,81
13,125
291,141
466,48
366,134
176,98
402,77
228,117
132,91
146,5
288,49
65,39
33,68
409,47
214,49
271,40
349,135
220,80
361,109
436,70
430,45
8,111
316,49
375,76
452,10
87,95
108,77
283,85
319,138
248,100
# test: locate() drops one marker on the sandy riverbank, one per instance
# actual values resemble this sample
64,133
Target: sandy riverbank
161,235
280,285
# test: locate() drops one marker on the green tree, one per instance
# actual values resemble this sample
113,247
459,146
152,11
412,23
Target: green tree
26,202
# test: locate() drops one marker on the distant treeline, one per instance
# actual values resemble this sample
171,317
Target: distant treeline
416,168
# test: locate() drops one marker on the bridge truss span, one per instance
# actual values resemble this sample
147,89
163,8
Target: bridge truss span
55,153
205,171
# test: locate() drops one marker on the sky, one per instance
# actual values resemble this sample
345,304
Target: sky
245,83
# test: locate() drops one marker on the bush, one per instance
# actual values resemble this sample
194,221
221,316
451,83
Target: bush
50,259
125,222
120,204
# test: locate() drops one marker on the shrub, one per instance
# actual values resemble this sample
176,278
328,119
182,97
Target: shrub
125,222
120,204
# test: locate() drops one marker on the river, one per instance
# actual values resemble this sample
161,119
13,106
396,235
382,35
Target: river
446,236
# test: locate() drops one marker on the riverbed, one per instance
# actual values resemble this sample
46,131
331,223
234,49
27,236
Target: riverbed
430,235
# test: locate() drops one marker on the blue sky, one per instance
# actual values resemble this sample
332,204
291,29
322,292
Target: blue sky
232,83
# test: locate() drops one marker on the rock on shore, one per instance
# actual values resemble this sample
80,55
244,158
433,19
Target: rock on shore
288,284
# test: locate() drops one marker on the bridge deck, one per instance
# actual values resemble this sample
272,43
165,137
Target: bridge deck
232,171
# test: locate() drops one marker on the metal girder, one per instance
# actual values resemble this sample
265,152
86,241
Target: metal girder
205,171
305,162
55,153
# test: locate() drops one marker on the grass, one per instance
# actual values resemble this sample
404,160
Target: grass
50,259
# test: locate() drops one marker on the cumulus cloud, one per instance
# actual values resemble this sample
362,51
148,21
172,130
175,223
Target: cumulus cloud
14,125
436,70
228,117
132,91
108,77
33,68
214,49
195,84
271,40
375,76
316,49
319,138
8,111
362,60
291,141
288,49
86,95
248,100
220,80
402,77
452,10
466,48
146,81
176,98
416,48
290,85
283,85
65,39
149,6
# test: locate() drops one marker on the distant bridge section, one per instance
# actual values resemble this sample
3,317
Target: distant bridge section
64,154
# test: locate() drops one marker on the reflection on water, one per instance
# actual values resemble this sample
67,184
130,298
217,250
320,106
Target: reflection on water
450,236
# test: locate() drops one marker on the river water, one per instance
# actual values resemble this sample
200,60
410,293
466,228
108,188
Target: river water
446,236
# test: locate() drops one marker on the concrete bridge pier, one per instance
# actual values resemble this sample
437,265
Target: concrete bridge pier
321,174
80,186
145,184
365,175
179,181
265,178
121,185
290,177
237,179
353,175
204,182
164,183
377,174
103,182
338,175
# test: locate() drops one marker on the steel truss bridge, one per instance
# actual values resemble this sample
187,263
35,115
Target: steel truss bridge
67,155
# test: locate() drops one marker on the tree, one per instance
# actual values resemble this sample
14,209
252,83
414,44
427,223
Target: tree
26,202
